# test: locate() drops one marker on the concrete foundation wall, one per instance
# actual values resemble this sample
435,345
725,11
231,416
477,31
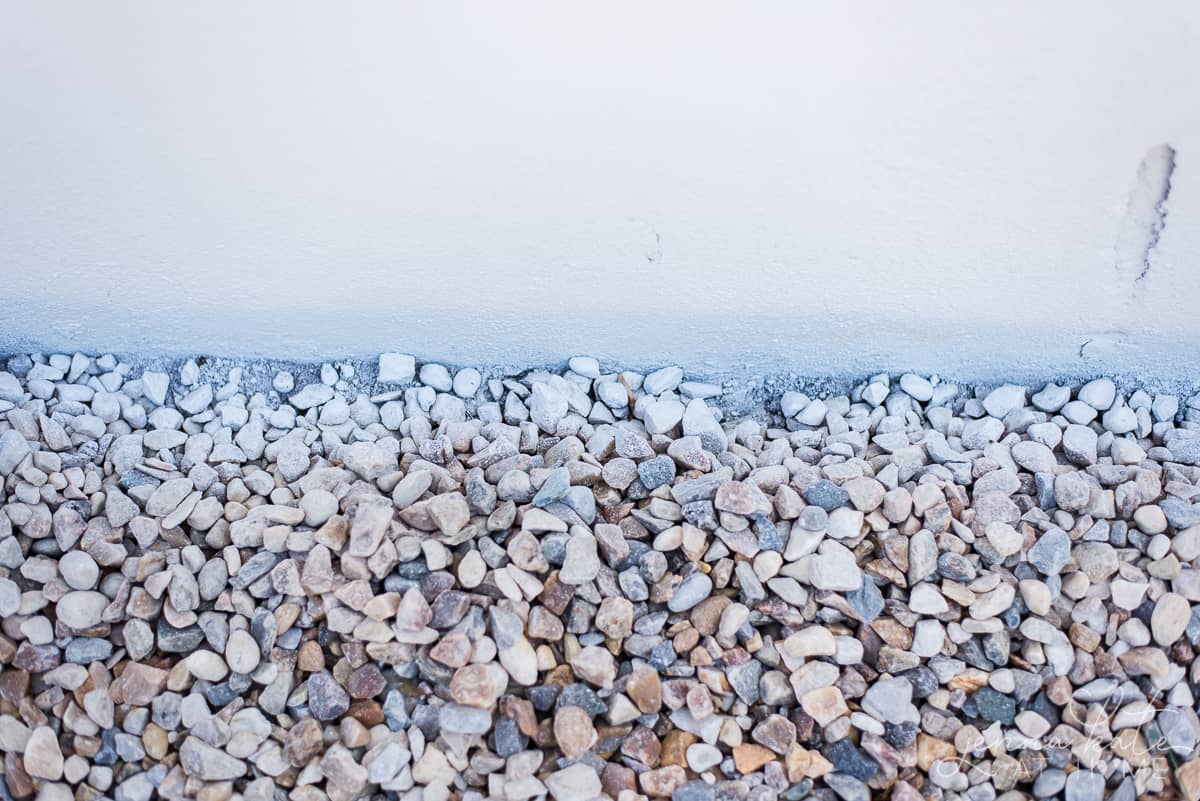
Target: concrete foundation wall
971,189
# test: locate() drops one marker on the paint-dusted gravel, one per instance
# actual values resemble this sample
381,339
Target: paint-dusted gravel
398,580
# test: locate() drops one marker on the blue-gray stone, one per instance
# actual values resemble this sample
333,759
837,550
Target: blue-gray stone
956,567
290,639
1176,731
769,536
107,755
848,787
1049,782
993,705
695,790
694,589
813,518
582,501
218,695
425,718
263,628
129,747
700,514
633,586
825,494
554,548
582,696
744,680
86,650
543,696
412,571
554,488
1051,552
240,682
1126,791
867,601
656,472
253,569
996,646
923,680
1180,513
136,478
848,759
1012,615
178,641
749,583
663,655
1184,445
508,738
395,711
971,652
1044,482
1193,627
327,700
900,735
797,791
1084,785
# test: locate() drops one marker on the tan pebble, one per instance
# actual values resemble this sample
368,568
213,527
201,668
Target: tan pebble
749,757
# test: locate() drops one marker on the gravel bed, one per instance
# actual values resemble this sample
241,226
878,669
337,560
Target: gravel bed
394,580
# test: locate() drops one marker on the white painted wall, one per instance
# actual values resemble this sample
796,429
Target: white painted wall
934,185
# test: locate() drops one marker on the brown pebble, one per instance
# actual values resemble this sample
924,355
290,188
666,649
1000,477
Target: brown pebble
366,711
304,741
643,746
706,615
644,688
674,747
520,710
154,740
686,640
556,596
931,749
661,782
478,685
1059,690
13,686
138,684
353,733
617,778
573,731
18,782
749,757
545,625
312,658
453,649
775,732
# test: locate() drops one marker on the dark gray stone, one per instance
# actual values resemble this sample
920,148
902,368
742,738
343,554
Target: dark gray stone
825,494
178,641
993,705
848,759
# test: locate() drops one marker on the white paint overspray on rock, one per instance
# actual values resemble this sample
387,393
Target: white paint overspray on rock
779,187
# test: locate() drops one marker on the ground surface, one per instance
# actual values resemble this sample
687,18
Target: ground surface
256,580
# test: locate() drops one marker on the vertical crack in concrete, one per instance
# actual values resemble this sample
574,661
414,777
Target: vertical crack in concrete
1146,215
